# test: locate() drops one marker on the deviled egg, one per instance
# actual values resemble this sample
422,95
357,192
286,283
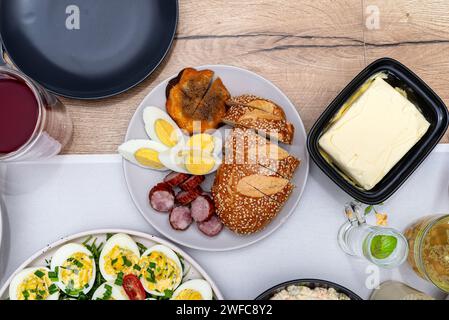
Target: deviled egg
109,291
144,153
75,269
161,270
160,127
197,289
120,256
33,284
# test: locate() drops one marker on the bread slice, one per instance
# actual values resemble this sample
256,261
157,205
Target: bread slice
187,90
246,199
195,100
258,103
245,146
269,124
212,107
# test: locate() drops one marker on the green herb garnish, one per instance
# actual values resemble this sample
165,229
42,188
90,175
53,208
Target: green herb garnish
107,293
119,280
137,267
126,262
39,273
142,248
382,246
53,289
54,275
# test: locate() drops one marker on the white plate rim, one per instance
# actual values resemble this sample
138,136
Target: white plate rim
84,234
265,235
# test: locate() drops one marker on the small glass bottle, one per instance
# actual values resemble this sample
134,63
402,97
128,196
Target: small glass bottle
395,290
385,247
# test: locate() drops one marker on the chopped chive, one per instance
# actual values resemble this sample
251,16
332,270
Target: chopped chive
126,262
39,273
53,289
137,267
119,280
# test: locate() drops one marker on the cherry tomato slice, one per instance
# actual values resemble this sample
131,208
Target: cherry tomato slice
133,287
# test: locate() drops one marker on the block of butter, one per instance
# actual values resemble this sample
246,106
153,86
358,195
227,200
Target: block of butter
374,133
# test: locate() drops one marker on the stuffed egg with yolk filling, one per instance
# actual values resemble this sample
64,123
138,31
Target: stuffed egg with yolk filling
75,268
119,257
197,289
160,127
161,270
109,291
189,160
144,153
33,284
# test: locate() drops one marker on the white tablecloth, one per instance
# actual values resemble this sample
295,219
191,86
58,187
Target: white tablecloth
68,194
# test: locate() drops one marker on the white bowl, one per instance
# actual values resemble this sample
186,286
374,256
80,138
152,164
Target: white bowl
195,271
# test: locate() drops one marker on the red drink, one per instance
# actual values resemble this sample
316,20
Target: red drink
33,123
19,111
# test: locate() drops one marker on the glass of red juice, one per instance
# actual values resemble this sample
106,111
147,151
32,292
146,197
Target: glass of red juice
34,124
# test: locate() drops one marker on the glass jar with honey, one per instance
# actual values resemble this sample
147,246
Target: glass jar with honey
428,240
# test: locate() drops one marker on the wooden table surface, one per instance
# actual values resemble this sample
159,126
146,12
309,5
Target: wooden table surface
309,48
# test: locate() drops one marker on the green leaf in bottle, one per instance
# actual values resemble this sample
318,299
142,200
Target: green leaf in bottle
382,246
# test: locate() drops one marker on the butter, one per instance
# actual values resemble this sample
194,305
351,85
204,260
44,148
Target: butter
373,134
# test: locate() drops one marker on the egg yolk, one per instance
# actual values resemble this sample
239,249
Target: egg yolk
189,294
160,272
199,163
165,132
202,141
76,272
120,259
34,287
148,158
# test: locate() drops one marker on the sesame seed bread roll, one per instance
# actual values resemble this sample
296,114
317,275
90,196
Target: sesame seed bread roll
261,121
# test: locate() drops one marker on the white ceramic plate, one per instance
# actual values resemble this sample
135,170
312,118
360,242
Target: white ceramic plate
139,180
38,259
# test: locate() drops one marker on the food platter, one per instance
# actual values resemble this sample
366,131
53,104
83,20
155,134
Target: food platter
193,269
139,180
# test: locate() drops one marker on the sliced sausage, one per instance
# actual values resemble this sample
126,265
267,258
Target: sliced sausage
162,197
202,208
180,218
192,183
174,179
211,227
185,197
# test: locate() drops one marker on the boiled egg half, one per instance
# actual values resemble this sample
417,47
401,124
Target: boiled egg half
33,284
161,270
119,257
144,153
197,289
160,127
190,160
75,268
109,291
209,143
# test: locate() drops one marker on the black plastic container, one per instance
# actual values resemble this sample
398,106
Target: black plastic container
430,105
310,283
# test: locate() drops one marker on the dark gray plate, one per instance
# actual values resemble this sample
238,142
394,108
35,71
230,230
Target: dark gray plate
88,49
311,283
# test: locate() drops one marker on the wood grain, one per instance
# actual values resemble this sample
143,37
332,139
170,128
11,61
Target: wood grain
310,49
